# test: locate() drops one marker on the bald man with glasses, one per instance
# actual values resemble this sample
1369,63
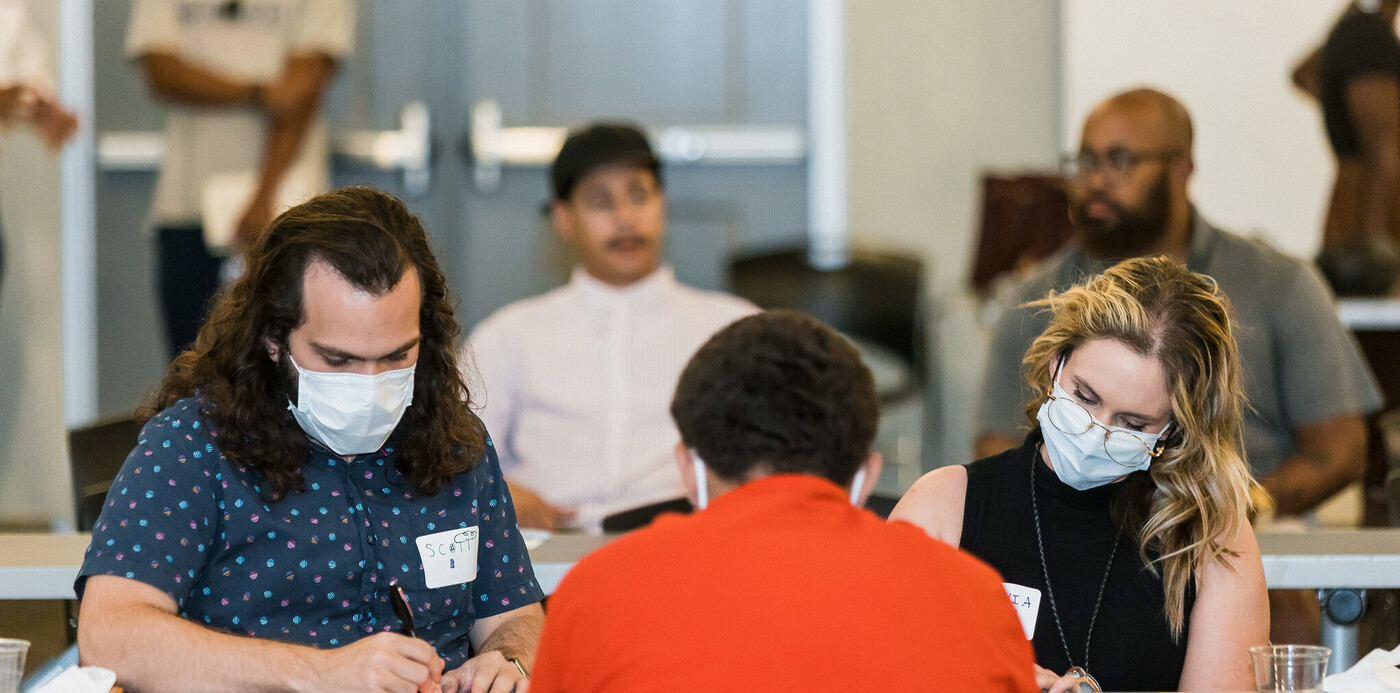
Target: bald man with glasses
1308,387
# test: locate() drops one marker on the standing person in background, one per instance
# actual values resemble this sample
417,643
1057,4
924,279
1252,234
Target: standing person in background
27,88
577,380
1355,77
244,79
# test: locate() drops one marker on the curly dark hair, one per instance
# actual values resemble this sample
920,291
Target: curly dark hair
779,392
370,239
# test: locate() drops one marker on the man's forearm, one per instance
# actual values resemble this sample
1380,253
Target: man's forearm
516,638
284,138
305,78
153,651
175,79
1331,454
1302,482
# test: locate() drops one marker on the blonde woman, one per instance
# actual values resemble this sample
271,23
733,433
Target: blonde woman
1121,523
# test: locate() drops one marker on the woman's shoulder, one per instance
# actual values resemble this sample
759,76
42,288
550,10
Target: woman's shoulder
935,503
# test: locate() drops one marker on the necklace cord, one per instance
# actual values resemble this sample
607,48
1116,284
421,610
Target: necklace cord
1050,592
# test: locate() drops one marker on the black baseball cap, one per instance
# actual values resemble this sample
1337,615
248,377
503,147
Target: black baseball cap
600,144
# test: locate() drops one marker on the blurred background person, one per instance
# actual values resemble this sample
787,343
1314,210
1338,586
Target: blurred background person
576,381
1355,77
27,88
244,80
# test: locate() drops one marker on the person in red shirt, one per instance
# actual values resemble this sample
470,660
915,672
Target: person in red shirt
781,583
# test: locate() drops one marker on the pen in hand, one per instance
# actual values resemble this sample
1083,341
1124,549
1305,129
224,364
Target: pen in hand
400,602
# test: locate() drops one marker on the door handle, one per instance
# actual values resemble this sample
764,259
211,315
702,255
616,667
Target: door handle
493,147
407,149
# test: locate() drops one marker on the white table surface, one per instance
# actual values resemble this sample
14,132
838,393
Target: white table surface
43,566
1361,558
1369,313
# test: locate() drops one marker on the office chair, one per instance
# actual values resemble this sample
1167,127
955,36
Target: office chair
96,454
1025,218
877,297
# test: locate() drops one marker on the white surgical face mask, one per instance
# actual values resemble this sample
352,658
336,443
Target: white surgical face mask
350,413
1085,452
702,490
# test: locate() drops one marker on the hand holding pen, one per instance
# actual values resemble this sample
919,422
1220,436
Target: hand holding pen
400,603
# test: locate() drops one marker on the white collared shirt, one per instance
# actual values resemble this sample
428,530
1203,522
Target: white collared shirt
575,387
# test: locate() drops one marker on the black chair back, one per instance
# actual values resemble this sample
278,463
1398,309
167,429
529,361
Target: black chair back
97,453
876,297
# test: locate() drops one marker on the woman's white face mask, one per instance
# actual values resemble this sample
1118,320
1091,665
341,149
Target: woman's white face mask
1085,452
351,413
702,491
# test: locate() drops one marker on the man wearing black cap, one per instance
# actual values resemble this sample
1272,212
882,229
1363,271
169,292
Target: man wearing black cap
578,380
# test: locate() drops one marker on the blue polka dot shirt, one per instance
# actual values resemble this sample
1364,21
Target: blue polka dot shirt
313,568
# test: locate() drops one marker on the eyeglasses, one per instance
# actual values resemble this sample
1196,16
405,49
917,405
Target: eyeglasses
1122,445
1114,165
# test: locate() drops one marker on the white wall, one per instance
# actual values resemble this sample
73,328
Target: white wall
1262,163
940,92
33,468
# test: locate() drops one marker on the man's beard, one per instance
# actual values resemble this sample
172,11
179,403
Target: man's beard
1135,233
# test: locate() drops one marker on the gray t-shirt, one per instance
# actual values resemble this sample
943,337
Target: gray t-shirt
1300,364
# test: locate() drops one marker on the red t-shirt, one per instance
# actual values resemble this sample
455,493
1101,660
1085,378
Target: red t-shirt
781,585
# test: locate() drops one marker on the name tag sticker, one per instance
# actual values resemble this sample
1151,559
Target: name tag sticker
1026,601
449,558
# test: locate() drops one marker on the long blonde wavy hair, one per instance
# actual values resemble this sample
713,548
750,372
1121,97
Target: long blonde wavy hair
1195,496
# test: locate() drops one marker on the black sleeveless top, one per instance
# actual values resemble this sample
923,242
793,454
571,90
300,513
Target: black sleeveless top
1131,648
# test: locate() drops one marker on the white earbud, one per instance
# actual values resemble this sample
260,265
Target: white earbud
702,486
702,490
857,481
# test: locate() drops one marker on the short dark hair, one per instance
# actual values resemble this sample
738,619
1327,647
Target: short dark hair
597,145
778,392
371,240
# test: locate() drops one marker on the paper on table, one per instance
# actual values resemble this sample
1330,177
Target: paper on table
1375,673
535,538
77,679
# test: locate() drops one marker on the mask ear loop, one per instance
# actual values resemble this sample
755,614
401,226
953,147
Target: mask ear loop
1162,440
702,485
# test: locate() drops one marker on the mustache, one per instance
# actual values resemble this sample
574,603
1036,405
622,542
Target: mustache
1083,207
629,238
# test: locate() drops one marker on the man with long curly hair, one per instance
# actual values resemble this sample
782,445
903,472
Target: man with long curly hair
311,454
